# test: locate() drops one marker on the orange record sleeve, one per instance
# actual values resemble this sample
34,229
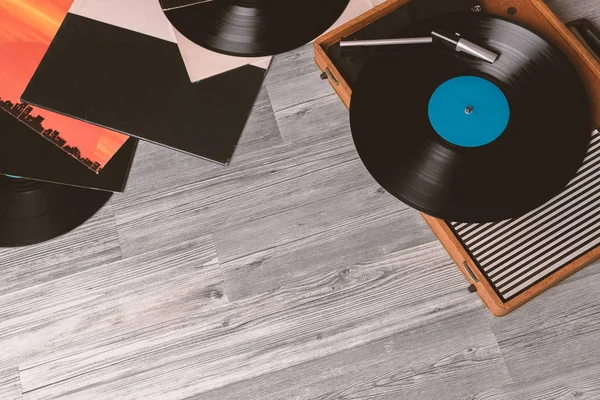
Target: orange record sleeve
27,27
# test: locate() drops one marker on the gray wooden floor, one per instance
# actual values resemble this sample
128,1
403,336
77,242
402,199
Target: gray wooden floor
288,275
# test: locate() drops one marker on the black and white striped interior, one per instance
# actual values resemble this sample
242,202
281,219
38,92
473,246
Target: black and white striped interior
516,254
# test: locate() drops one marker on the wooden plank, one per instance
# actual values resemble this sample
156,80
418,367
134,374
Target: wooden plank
324,252
317,119
90,245
108,307
449,359
10,386
297,90
238,341
292,64
203,205
345,210
555,335
569,10
583,383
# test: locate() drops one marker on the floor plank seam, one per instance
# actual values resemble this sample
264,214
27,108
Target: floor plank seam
275,114
353,222
189,187
19,383
545,328
508,370
299,104
282,210
116,230
435,308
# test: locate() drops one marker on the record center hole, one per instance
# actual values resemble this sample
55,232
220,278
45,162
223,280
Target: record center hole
469,110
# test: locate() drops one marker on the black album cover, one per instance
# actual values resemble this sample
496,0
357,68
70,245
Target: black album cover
117,64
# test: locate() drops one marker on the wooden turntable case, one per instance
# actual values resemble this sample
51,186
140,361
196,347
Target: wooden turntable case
536,15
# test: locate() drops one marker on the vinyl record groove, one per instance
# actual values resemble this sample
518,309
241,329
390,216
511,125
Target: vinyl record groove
33,212
468,141
253,28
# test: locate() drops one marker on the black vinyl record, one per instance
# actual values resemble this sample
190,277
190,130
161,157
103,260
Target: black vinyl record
529,140
33,212
252,28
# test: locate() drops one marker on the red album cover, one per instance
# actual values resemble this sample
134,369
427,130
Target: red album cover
27,27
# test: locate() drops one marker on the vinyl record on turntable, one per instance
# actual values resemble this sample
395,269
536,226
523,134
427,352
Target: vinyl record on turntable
33,212
252,28
465,140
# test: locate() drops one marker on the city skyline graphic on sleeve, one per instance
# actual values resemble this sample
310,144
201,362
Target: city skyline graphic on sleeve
27,28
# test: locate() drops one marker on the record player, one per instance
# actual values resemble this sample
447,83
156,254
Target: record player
507,262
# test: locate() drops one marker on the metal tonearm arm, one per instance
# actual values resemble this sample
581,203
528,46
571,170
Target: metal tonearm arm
455,41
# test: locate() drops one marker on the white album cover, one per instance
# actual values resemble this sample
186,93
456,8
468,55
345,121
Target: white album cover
147,17
202,63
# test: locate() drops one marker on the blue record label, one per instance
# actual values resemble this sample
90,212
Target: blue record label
469,111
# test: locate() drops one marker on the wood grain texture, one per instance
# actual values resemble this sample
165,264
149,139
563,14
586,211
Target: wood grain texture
396,367
297,90
287,275
290,65
316,119
569,10
582,384
237,341
326,251
557,334
10,386
76,325
90,245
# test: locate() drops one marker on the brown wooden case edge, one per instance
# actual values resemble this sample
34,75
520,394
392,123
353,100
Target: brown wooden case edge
335,78
538,16
484,289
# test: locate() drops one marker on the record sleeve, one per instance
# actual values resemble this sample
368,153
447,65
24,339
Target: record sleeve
26,29
23,153
116,64
202,63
